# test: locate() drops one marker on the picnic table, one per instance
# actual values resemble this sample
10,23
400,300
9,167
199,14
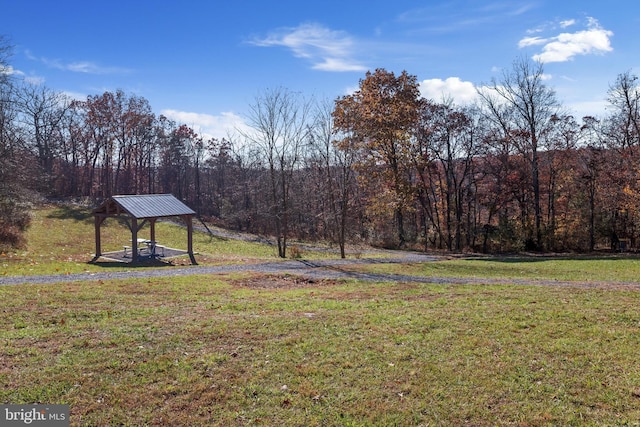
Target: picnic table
153,249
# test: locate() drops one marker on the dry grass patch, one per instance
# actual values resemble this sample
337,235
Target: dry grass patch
263,281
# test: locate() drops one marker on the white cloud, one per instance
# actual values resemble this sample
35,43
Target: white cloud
350,90
327,49
87,67
460,91
334,64
8,70
84,67
583,108
34,80
567,23
77,96
531,41
565,46
209,126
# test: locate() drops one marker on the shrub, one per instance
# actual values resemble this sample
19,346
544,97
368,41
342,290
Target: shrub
295,252
15,218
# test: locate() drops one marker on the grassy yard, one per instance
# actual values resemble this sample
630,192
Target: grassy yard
267,350
251,349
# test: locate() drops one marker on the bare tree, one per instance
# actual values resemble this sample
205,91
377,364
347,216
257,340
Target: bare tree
14,195
622,135
624,121
337,180
7,104
279,122
41,111
530,105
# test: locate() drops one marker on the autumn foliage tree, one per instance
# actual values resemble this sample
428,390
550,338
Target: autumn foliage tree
381,118
444,152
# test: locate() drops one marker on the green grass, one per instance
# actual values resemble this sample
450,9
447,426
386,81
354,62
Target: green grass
268,350
603,268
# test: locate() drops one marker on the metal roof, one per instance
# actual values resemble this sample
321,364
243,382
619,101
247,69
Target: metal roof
145,206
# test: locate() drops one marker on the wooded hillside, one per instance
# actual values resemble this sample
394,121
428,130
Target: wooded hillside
382,165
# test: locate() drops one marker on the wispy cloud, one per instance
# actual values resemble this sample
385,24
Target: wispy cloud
8,70
455,16
531,41
326,49
208,125
85,67
565,46
567,23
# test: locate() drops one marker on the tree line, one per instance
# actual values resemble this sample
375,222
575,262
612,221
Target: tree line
382,165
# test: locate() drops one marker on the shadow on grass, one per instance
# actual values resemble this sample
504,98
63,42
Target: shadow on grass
141,264
523,258
77,213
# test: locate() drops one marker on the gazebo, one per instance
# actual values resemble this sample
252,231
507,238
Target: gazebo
136,211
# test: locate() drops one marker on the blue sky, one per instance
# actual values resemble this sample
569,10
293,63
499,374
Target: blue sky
204,62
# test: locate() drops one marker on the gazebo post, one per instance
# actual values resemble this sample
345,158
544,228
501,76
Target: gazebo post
134,239
189,220
98,220
152,234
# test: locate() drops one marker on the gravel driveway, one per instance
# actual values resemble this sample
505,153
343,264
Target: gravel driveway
329,269
317,269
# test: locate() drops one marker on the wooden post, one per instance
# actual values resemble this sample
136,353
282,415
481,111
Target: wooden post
98,220
152,222
189,220
134,239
